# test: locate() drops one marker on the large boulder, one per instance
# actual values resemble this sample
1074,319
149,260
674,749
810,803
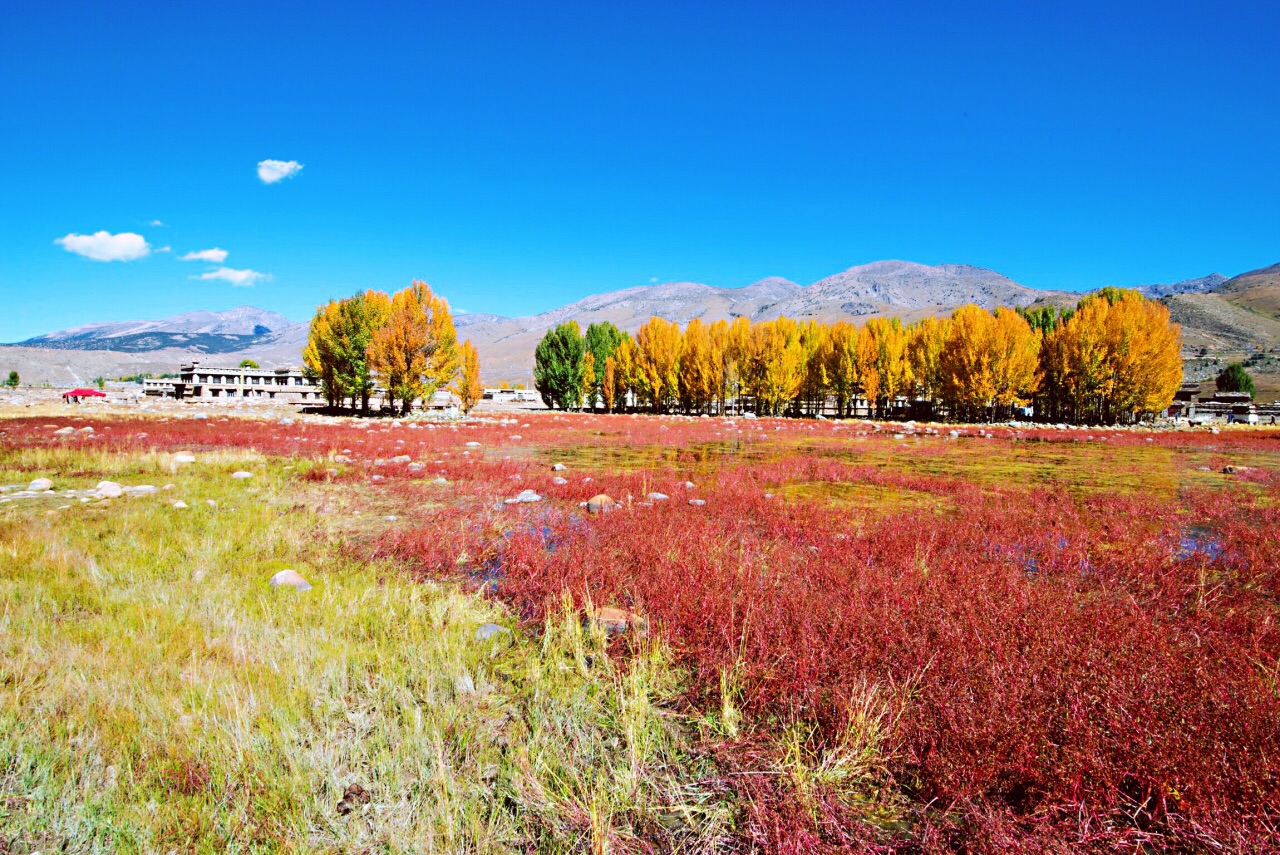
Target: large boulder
39,485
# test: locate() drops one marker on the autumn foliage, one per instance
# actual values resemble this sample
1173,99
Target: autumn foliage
403,347
1113,359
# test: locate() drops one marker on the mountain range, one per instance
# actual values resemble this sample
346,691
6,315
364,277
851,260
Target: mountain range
1218,314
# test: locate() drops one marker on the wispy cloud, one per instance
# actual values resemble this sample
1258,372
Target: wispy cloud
238,278
104,246
156,223
216,255
271,171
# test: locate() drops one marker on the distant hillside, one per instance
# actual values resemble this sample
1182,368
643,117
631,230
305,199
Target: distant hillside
207,332
899,288
1258,291
1188,286
1222,315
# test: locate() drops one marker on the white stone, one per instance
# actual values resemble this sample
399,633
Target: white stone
184,457
180,505
40,485
401,458
66,431
292,579
657,497
559,467
109,490
524,497
441,480
559,482
241,475
697,502
473,445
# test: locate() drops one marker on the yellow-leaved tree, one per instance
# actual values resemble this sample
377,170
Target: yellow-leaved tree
882,362
775,364
416,352
842,365
468,386
701,368
657,362
925,341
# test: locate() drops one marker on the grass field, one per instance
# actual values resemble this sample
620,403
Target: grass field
854,637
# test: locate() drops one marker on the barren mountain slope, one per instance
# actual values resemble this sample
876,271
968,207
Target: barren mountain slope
1258,291
1210,321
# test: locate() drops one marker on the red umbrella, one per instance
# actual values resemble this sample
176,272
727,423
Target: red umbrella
84,393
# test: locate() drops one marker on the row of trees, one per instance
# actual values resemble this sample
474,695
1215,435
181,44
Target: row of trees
402,347
1114,357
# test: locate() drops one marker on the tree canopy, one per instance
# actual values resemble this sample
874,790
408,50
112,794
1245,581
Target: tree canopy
1234,378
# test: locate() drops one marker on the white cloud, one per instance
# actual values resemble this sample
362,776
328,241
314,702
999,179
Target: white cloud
216,255
165,249
271,171
104,246
238,278
156,223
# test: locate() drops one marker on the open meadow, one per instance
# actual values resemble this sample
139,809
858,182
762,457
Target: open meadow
772,636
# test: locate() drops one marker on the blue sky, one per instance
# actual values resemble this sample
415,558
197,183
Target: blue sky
519,156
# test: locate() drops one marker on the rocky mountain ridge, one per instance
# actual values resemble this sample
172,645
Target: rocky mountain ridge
1219,314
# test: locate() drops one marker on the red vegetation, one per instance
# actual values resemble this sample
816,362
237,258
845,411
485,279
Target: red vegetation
1060,668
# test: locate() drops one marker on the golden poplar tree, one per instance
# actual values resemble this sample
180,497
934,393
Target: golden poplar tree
657,368
1015,356
775,364
588,376
416,351
815,339
701,367
882,361
468,386
609,383
925,341
319,356
842,364
624,357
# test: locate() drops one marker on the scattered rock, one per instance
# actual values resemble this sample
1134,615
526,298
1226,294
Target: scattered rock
376,479
109,490
66,431
697,502
292,579
441,480
241,475
352,798
473,445
86,429
401,458
657,497
617,621
184,457
600,503
559,482
524,497
40,485
489,630
179,505
559,467
341,458
416,467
